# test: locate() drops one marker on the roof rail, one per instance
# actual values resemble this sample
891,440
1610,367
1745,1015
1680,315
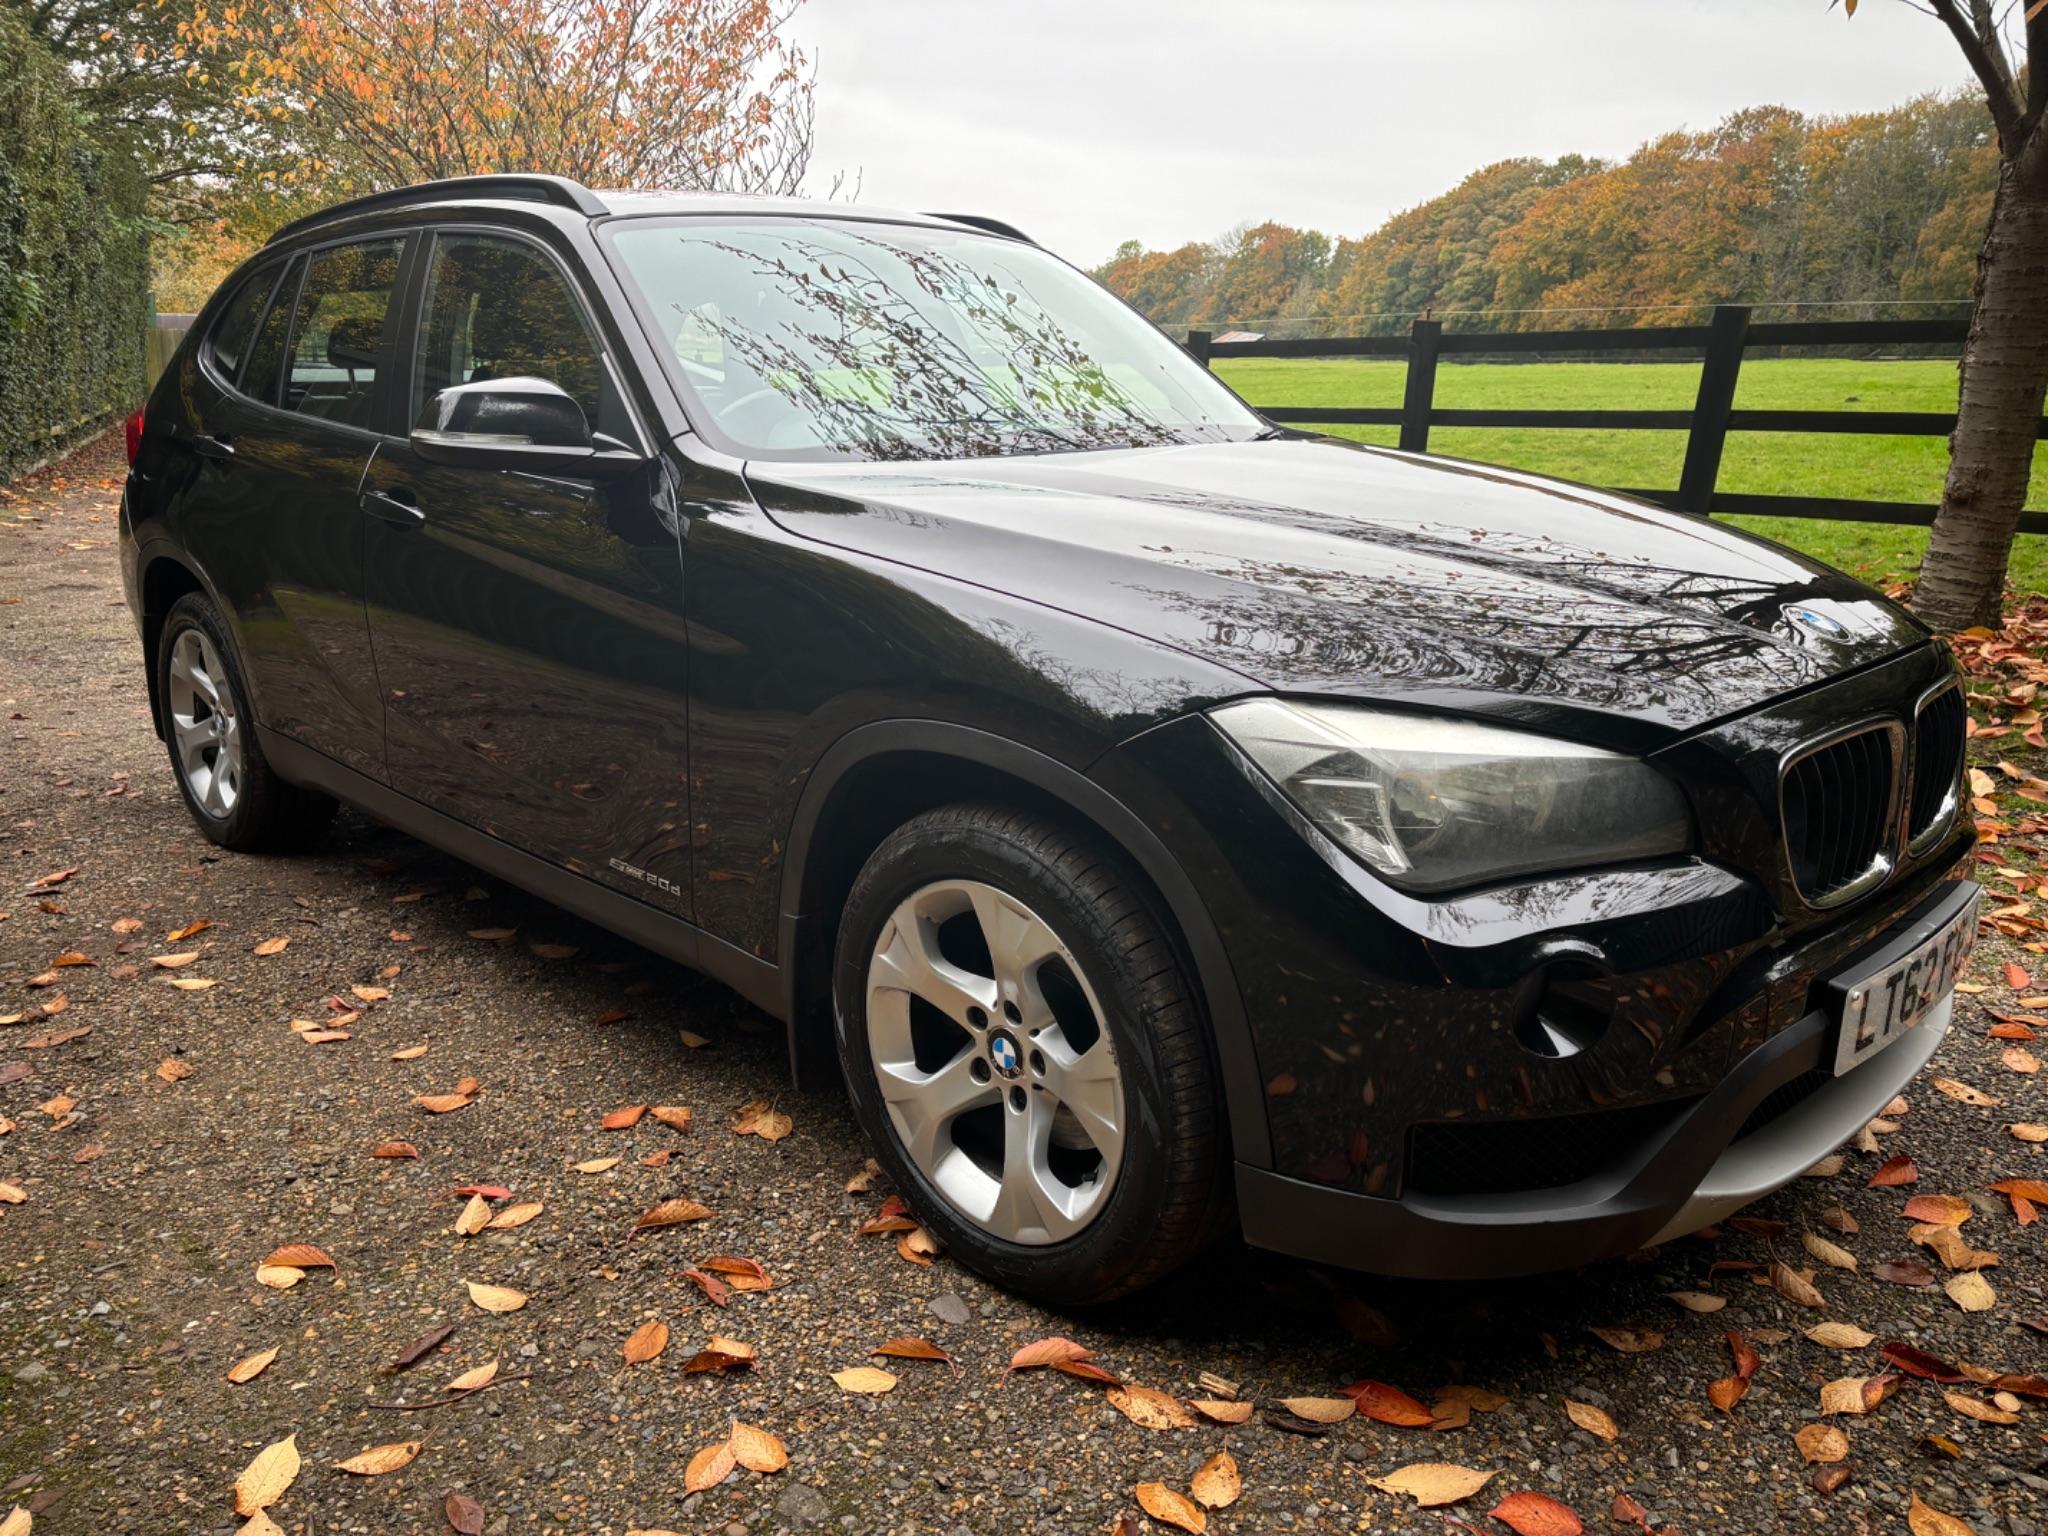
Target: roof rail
559,190
983,221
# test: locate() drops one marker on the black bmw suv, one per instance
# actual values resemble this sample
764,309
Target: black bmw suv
1166,820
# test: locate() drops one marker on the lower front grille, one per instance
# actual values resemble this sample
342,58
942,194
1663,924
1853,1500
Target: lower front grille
1783,1099
1499,1157
1838,814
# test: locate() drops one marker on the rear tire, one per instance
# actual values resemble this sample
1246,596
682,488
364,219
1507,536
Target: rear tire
231,791
1054,1115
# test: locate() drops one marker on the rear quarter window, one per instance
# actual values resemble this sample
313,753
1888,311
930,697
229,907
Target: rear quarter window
228,342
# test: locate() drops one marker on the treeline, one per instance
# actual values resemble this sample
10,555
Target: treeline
1769,207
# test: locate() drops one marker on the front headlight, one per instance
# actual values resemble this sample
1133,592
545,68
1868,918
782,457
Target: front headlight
1431,804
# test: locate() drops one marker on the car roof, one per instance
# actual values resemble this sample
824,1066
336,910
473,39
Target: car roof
461,193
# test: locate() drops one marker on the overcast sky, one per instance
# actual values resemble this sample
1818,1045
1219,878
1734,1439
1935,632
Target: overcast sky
1091,122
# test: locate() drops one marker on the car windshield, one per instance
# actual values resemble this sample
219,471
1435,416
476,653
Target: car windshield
803,338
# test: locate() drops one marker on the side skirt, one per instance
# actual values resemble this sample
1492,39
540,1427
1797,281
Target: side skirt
759,981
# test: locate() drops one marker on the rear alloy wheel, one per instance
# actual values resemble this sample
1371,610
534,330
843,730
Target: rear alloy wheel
1011,1012
227,784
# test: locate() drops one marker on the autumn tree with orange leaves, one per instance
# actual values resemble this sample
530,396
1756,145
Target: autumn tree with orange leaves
364,94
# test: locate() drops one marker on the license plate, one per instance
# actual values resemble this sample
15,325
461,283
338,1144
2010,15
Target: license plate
1887,1003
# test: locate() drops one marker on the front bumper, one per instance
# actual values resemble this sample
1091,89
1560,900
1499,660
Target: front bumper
1695,1171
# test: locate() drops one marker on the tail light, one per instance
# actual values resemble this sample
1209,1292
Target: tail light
134,425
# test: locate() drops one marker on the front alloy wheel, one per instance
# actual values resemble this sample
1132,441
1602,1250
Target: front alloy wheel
988,1044
1028,1056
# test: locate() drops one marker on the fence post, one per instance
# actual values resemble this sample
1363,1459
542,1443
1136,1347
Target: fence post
1198,347
1710,411
1420,393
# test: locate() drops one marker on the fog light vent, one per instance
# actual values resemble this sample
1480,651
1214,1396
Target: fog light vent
1570,1013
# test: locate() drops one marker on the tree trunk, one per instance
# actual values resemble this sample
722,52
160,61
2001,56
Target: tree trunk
2004,375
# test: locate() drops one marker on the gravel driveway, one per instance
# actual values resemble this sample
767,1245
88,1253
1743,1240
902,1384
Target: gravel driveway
207,1132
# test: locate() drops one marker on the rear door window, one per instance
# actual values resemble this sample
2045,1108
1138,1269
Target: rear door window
265,366
338,332
228,343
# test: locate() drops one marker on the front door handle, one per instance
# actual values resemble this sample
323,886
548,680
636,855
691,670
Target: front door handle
396,510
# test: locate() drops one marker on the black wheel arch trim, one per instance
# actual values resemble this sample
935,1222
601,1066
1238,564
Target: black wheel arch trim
799,937
159,550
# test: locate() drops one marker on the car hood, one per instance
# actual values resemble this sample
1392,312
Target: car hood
1316,566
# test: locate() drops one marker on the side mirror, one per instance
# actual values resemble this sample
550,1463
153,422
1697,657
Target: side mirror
529,425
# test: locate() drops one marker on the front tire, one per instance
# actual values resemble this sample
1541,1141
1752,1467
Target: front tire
229,788
1027,1054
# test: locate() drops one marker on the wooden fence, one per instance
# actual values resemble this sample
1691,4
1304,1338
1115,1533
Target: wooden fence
159,343
1721,342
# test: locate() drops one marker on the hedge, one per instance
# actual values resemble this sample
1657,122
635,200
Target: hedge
74,263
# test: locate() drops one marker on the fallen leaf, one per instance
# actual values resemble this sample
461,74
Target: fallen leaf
1793,1286
911,1349
301,1256
1945,1209
444,1103
1387,1405
476,1378
1725,1393
174,962
864,1379
1821,1443
598,1165
1917,1362
1537,1514
1830,1254
1175,1509
1320,1410
495,1298
464,1515
1926,1520
1976,1408
1630,1341
721,1355
1221,1411
1150,1409
12,1194
1594,1421
515,1215
1894,1171
624,1119
1970,1291
709,1467
279,1277
646,1342
1903,1272
264,1481
474,1218
675,1116
1431,1483
1839,1335
1697,1301
1046,1352
669,1213
757,1450
394,1149
1217,1485
380,1459
1855,1394
409,1053
419,1348
715,1290
249,1368
270,947
172,1070
125,925
1964,1093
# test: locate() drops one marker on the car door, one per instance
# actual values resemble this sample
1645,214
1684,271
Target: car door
280,532
529,629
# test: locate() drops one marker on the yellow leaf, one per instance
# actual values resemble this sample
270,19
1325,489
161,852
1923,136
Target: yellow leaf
475,1379
1217,1485
1839,1336
864,1378
1155,1410
1431,1483
1970,1291
757,1450
474,1218
173,962
380,1459
12,1194
193,983
1594,1421
1176,1509
1822,1444
252,1367
264,1481
598,1165
516,1215
17,1522
1926,1520
708,1468
495,1298
271,947
409,1053
279,1277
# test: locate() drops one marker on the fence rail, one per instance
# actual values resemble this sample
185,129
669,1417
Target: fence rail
1721,344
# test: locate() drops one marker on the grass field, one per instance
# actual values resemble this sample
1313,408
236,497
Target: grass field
1786,463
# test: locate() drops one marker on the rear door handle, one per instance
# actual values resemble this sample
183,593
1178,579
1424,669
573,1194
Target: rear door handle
395,510
214,445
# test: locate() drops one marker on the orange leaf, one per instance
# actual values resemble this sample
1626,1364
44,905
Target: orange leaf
1537,1514
1387,1405
301,1256
1046,1352
645,1342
